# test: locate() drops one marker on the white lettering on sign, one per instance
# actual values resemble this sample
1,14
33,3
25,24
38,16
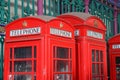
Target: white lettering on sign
59,32
94,34
117,46
28,31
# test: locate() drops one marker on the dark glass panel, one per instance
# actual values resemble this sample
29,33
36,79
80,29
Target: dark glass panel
97,55
35,51
101,56
10,53
34,65
23,52
93,55
10,66
93,68
62,52
117,60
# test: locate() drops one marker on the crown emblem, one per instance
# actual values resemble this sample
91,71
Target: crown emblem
24,24
95,23
61,25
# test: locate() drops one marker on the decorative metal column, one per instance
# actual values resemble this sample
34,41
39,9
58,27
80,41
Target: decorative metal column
40,7
86,6
115,18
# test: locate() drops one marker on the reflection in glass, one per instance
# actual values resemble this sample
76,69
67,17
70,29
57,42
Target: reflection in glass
62,77
22,66
22,77
97,78
62,52
61,66
23,52
10,77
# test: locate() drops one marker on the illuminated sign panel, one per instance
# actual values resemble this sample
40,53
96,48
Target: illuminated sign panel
94,34
59,32
27,31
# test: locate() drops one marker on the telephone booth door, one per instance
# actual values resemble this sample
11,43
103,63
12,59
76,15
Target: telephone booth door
22,60
97,63
61,50
62,61
116,67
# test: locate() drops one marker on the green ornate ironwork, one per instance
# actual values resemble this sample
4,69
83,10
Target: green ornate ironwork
1,57
105,13
57,7
8,14
54,8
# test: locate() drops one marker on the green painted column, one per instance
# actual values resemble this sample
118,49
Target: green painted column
1,57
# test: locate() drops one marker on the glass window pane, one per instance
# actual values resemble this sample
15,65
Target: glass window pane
23,52
62,77
93,55
118,69
34,65
62,52
97,69
101,56
117,60
70,53
97,55
23,66
34,51
10,53
10,66
34,76
22,77
118,77
61,66
101,69
93,68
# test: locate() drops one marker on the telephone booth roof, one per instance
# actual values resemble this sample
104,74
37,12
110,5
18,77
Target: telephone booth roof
62,25
32,22
78,18
114,39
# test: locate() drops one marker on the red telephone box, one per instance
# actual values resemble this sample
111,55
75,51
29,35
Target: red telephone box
114,53
36,49
90,45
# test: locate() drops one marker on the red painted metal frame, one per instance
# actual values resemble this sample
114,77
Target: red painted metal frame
45,43
85,43
113,53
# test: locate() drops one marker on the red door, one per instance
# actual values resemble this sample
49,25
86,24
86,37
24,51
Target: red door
63,60
116,67
98,63
22,60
